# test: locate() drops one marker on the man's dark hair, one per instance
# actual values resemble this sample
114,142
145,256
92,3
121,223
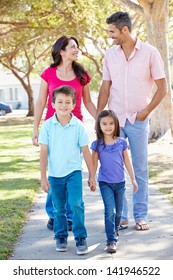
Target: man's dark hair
120,19
67,90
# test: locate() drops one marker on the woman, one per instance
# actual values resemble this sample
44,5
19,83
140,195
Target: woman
63,71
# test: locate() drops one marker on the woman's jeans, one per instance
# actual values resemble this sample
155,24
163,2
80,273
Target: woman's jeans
112,195
69,186
137,135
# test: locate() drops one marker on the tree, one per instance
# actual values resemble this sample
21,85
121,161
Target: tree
156,15
28,34
22,67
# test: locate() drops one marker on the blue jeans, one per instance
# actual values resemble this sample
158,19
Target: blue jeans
112,195
71,186
137,135
49,207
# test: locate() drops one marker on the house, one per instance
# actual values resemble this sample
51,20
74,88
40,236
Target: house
13,93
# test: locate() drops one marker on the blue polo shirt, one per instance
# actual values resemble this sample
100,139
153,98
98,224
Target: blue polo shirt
64,145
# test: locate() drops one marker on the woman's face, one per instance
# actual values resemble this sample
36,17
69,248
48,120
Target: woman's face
71,51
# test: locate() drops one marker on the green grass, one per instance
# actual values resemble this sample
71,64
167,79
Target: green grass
161,174
19,174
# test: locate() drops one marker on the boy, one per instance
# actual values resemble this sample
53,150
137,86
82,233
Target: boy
62,137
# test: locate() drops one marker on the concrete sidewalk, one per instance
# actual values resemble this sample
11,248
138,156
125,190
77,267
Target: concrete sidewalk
36,241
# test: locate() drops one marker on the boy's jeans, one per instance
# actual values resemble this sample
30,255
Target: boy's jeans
112,195
137,135
71,186
49,207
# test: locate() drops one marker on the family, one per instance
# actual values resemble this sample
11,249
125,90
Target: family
130,69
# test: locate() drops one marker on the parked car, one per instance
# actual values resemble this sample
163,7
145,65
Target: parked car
5,109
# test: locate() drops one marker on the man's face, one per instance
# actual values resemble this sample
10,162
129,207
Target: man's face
115,34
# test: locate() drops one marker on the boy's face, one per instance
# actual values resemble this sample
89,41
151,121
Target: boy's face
63,104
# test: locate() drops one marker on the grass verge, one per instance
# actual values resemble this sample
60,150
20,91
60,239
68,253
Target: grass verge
161,168
19,173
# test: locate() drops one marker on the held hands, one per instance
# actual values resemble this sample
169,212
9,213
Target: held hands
135,185
92,184
45,185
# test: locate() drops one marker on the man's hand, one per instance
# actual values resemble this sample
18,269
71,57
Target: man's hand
141,116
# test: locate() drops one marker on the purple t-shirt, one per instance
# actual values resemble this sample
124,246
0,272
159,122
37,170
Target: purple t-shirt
111,160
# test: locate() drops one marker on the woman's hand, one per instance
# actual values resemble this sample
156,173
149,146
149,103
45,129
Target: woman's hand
35,138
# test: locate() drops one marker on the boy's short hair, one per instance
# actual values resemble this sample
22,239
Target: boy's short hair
120,19
67,90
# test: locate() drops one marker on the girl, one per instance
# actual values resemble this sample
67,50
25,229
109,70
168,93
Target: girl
112,152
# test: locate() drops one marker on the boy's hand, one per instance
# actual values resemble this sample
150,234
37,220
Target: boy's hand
45,185
135,185
92,184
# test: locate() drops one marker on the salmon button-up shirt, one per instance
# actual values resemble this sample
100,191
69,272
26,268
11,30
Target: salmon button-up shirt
132,79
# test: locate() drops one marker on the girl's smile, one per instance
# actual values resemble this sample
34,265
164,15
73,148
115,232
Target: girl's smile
107,125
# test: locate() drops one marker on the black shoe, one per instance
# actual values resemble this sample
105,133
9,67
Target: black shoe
122,227
69,225
50,223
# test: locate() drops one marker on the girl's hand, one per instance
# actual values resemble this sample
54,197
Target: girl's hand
45,185
92,184
135,185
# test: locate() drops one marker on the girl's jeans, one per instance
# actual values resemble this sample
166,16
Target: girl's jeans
137,135
69,186
112,195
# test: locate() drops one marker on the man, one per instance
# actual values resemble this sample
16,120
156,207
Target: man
130,70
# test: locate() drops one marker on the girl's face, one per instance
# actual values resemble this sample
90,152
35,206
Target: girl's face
71,51
107,125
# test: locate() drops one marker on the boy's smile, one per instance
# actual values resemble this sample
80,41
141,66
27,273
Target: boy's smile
63,104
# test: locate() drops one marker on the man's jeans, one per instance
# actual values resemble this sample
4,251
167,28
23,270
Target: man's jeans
49,207
69,186
112,195
137,135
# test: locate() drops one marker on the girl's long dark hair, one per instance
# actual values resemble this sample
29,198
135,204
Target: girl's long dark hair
99,133
78,69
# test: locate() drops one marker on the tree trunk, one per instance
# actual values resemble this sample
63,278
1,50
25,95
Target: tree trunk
28,89
156,16
30,102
